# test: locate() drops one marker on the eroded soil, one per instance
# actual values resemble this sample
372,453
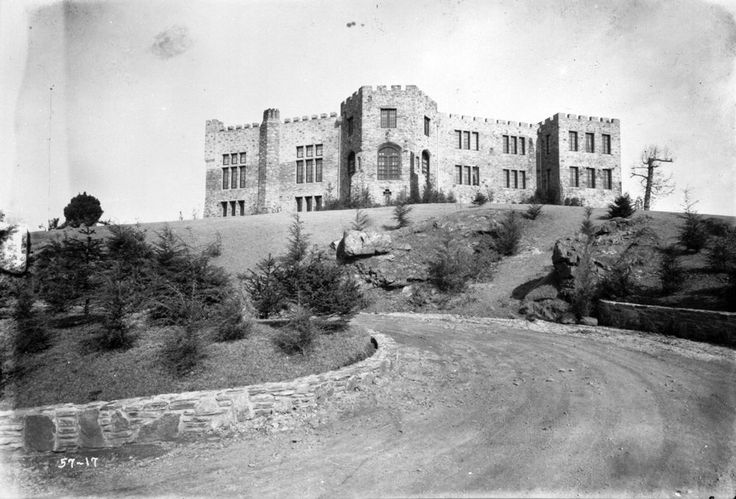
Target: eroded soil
475,407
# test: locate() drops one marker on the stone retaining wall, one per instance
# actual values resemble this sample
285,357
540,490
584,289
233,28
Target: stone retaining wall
174,415
700,325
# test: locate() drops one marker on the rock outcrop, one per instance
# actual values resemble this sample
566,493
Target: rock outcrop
357,244
15,246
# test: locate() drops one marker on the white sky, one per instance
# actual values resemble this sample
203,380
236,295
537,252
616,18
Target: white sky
133,83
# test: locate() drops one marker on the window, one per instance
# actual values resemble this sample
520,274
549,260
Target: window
507,178
515,176
299,151
299,204
466,140
514,179
463,140
590,178
224,208
234,158
506,144
233,178
310,171
388,118
318,150
523,179
309,151
426,126
512,145
573,141
606,144
458,174
607,180
242,177
300,173
242,158
225,159
225,178
467,175
476,176
547,143
425,163
589,142
574,176
351,163
522,145
350,126
317,203
232,208
389,164
318,170
309,203
241,206
475,141
459,139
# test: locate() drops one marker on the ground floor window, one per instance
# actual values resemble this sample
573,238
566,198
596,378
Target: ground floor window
607,179
514,179
233,208
308,203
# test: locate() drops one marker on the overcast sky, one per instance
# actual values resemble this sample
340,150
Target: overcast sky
133,83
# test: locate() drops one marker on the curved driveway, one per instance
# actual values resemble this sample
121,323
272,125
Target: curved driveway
482,407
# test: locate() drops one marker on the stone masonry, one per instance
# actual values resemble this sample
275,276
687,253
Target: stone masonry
392,142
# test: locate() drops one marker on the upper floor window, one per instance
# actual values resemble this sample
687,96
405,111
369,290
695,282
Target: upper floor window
607,180
476,175
388,118
547,143
589,142
242,177
573,141
350,126
226,178
299,151
514,145
242,158
318,149
351,163
389,163
309,170
300,172
309,151
466,140
426,126
606,143
590,178
225,159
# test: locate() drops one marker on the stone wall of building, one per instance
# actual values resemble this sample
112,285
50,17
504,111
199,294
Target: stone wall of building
699,325
176,415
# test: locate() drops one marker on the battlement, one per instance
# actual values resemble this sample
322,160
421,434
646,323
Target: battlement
314,117
477,119
388,88
579,117
271,114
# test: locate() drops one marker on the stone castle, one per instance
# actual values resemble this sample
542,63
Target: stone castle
392,142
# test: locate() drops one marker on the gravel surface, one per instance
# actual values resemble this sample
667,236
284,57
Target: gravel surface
475,407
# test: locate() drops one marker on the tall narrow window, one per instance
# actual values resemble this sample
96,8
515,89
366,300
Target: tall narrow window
506,144
224,208
388,118
242,177
300,172
426,126
317,203
299,204
590,178
459,139
467,175
300,151
515,176
523,179
589,142
607,180
225,159
512,145
351,163
574,176
507,178
458,174
425,163
476,176
522,145
318,170
233,179
226,178
389,164
310,171
475,141
309,203
242,158
547,143
606,144
573,140
350,126
466,140
241,207
232,208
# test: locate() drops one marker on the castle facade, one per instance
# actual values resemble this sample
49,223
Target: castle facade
392,142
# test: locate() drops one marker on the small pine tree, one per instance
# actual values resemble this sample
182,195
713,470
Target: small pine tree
450,269
587,227
671,272
31,335
534,211
401,214
508,234
264,287
693,233
299,334
621,207
479,199
362,220
297,244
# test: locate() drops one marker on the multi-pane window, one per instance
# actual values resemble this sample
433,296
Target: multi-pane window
467,175
589,142
234,158
574,176
607,180
389,164
522,176
242,158
233,178
225,159
310,170
388,118
300,171
231,175
514,145
590,178
467,140
242,177
350,126
573,140
606,143
226,178
476,175
426,126
514,179
318,170
458,174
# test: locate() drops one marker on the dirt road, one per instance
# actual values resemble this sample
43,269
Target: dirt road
475,407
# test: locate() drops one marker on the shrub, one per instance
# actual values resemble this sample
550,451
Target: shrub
298,335
618,282
717,228
574,201
621,207
534,210
693,235
401,214
670,271
587,227
214,248
297,244
83,209
362,220
31,335
183,349
264,287
116,301
451,197
449,270
508,234
232,326
480,199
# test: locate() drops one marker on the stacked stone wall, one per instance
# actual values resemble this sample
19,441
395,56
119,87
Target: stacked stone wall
699,325
174,416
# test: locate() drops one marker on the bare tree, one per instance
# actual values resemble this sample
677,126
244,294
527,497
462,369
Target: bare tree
655,183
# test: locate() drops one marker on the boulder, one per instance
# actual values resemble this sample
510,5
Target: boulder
15,246
551,310
543,292
363,244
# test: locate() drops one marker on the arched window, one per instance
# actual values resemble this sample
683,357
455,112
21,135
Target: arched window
351,163
389,163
